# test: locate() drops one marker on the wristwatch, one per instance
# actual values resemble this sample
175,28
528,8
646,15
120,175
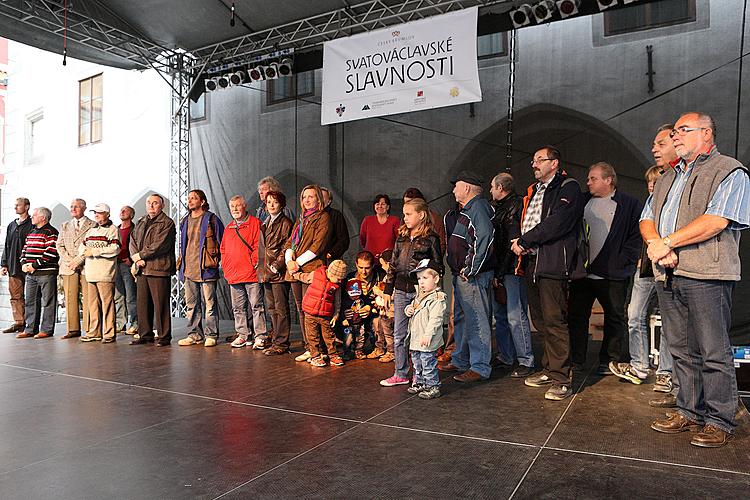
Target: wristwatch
667,241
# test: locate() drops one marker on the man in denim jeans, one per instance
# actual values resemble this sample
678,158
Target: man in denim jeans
512,330
644,290
471,262
692,224
125,298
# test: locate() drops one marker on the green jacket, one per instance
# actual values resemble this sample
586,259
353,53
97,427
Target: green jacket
427,321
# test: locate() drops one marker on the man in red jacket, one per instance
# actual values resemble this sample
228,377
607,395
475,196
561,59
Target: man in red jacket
239,258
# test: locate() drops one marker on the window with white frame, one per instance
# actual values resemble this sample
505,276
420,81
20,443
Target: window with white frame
34,137
90,98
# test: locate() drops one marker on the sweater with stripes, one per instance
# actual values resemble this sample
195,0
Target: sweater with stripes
98,253
40,250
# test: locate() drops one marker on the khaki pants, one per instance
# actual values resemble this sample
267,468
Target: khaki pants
17,300
75,285
101,309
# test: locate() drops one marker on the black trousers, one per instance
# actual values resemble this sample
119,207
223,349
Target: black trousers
548,305
152,301
612,295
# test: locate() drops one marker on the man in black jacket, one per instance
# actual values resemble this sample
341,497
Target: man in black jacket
338,234
614,242
15,238
512,330
549,228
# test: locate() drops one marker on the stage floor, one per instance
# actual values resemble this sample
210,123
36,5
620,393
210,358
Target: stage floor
96,421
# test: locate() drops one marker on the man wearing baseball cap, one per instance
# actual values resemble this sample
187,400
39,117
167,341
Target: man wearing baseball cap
469,257
98,255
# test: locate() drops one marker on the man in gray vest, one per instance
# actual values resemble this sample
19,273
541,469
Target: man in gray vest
692,225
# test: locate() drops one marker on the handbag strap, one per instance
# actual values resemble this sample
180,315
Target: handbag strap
237,228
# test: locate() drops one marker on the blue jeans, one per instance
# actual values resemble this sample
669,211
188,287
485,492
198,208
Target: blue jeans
125,302
401,332
638,328
425,368
200,296
697,315
472,325
512,330
47,284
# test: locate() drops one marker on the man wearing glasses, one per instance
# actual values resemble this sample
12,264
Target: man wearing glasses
692,225
552,211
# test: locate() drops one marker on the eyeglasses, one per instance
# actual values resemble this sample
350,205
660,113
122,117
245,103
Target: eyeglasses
539,160
684,130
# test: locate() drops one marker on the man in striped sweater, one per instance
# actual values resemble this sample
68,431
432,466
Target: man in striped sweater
39,260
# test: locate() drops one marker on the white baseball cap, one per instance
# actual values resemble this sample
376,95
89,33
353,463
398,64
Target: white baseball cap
100,207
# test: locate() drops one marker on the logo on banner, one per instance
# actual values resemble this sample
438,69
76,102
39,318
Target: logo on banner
420,99
366,107
420,93
394,34
340,110
454,92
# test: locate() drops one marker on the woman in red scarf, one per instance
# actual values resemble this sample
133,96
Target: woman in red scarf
304,251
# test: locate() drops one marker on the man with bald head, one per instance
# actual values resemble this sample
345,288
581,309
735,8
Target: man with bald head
692,225
152,246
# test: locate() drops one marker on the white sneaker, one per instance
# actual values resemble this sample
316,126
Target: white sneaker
209,342
239,342
187,341
303,357
259,344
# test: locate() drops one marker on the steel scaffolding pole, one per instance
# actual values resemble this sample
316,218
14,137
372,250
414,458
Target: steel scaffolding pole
179,178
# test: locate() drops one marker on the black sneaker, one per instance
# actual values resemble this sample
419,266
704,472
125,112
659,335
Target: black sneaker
522,372
558,392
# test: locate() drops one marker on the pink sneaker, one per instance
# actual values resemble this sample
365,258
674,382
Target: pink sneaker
394,380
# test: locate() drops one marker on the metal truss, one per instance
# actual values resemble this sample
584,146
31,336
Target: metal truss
179,160
84,28
321,28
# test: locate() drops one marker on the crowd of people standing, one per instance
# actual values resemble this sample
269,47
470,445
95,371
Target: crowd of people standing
540,259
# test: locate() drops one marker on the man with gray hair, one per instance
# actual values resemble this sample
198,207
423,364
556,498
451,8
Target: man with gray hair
692,225
265,185
610,219
512,329
71,236
39,260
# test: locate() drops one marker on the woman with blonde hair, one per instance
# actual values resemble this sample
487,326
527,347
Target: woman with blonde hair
416,241
305,249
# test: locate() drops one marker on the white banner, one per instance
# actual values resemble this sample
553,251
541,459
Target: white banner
424,64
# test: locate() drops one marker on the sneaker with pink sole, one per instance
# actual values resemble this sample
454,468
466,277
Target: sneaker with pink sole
394,380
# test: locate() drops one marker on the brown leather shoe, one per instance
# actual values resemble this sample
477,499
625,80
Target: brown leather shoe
467,377
444,358
711,437
71,335
675,423
450,367
42,335
24,335
18,327
666,401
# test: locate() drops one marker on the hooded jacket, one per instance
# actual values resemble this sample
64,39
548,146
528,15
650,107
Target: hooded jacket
470,242
427,321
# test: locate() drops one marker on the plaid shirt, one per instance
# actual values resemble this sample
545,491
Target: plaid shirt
534,211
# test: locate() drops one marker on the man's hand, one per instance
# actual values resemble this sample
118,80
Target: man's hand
657,250
292,266
516,248
409,311
27,268
87,252
4,270
141,263
670,260
72,266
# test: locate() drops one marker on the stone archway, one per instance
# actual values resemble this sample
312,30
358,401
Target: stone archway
581,138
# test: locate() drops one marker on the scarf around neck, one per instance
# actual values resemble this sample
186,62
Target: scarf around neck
297,234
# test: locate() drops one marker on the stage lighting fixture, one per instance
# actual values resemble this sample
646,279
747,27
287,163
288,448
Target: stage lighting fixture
521,16
285,67
256,74
223,81
568,8
272,71
543,10
237,77
606,4
211,84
